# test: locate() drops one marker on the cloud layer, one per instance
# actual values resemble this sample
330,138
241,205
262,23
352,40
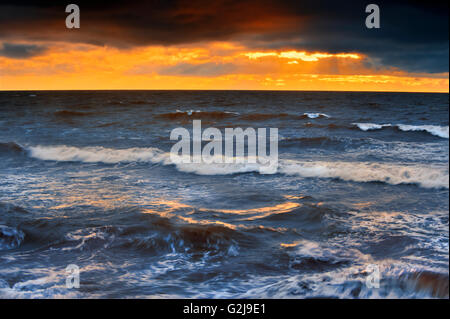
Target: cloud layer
20,51
413,35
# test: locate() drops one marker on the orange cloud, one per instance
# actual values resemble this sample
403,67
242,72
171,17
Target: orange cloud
301,55
212,65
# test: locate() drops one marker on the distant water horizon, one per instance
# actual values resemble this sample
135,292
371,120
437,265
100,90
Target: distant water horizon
221,90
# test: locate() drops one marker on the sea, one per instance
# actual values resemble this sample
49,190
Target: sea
358,206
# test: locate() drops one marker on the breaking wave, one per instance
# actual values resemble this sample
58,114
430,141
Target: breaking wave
371,126
315,115
394,174
97,154
425,176
441,131
143,155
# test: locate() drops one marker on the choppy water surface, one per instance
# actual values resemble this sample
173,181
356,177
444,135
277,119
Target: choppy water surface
362,180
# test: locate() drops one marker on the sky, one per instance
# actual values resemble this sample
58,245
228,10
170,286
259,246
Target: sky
225,45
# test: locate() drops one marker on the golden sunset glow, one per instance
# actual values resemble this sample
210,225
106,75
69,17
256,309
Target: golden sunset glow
212,65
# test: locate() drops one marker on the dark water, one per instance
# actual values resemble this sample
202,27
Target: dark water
84,180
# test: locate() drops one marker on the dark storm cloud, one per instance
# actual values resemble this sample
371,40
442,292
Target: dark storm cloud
20,51
413,34
124,23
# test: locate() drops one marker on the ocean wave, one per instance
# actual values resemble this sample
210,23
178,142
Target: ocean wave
310,255
191,239
338,280
144,155
425,176
160,235
435,284
10,237
97,154
315,115
44,287
371,126
218,168
394,174
92,238
11,147
440,131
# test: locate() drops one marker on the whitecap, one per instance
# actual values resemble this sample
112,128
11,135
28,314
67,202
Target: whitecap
392,173
97,154
441,131
370,126
316,115
430,176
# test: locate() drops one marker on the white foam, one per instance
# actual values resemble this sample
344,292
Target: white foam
48,283
316,115
97,154
441,131
146,155
218,168
425,176
190,112
392,173
370,126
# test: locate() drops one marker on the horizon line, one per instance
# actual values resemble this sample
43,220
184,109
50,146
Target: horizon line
222,90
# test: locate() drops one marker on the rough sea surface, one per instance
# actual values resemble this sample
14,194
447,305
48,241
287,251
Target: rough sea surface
362,181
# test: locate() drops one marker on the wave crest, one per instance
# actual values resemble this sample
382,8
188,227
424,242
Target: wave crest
441,131
315,115
97,154
394,174
159,235
436,130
